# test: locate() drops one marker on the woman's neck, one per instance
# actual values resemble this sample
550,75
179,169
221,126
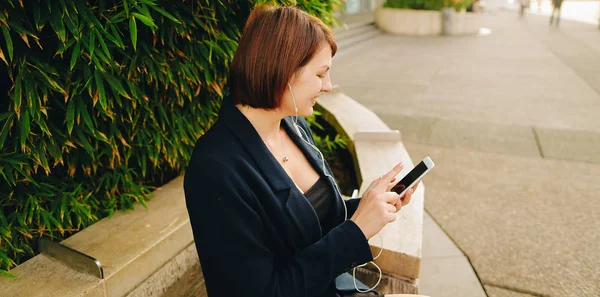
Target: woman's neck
266,122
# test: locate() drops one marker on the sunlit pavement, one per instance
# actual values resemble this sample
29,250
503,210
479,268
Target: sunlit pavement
511,120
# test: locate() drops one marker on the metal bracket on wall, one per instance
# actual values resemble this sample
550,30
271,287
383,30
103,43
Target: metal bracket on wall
72,258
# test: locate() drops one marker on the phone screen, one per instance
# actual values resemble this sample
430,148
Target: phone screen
413,175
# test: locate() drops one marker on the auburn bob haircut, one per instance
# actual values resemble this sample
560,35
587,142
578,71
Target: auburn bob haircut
276,43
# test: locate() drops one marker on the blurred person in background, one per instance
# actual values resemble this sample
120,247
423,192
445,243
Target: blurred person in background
555,12
523,4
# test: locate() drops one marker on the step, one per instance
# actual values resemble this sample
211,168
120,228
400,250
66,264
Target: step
351,41
350,32
344,27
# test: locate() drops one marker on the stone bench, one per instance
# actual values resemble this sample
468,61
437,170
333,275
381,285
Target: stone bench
144,252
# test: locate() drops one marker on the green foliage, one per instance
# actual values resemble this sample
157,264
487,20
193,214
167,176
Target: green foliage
415,4
327,140
427,4
463,4
105,100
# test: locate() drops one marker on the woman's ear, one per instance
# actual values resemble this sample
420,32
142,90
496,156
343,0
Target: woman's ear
292,79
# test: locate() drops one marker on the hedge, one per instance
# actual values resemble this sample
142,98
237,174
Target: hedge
103,102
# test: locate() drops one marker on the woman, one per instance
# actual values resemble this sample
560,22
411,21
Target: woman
266,215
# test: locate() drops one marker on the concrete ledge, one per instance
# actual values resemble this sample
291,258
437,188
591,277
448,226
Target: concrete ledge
392,135
170,275
130,246
375,155
42,276
348,116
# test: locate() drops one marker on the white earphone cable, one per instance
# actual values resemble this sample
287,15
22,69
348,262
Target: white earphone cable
303,134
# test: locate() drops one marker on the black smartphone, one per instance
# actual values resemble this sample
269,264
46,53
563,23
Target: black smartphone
414,176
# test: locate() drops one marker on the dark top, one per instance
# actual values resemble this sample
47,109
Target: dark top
320,197
255,233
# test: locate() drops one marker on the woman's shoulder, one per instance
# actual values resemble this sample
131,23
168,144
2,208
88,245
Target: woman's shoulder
216,140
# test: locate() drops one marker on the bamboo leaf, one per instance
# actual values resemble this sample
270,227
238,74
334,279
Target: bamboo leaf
56,223
85,143
5,128
58,25
27,176
44,162
144,164
133,32
115,84
126,6
7,274
5,115
64,46
24,129
87,119
3,57
3,219
147,20
10,179
5,232
72,27
75,55
144,10
105,49
51,82
45,222
5,177
64,210
43,67
44,127
37,17
25,39
116,37
55,152
70,119
17,27
98,64
100,88
91,43
9,44
148,2
166,14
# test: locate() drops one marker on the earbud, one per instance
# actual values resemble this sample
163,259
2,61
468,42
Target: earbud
294,100
298,130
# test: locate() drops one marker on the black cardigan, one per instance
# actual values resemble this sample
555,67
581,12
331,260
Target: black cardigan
255,232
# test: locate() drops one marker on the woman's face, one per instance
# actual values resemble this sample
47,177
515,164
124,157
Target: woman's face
308,83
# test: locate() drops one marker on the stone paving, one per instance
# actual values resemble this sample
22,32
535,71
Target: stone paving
512,120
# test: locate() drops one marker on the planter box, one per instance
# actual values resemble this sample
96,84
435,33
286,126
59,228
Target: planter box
409,22
425,22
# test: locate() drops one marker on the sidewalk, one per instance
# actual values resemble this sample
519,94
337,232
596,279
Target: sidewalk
511,120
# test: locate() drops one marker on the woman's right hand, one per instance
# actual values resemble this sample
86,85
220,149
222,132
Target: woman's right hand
378,206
